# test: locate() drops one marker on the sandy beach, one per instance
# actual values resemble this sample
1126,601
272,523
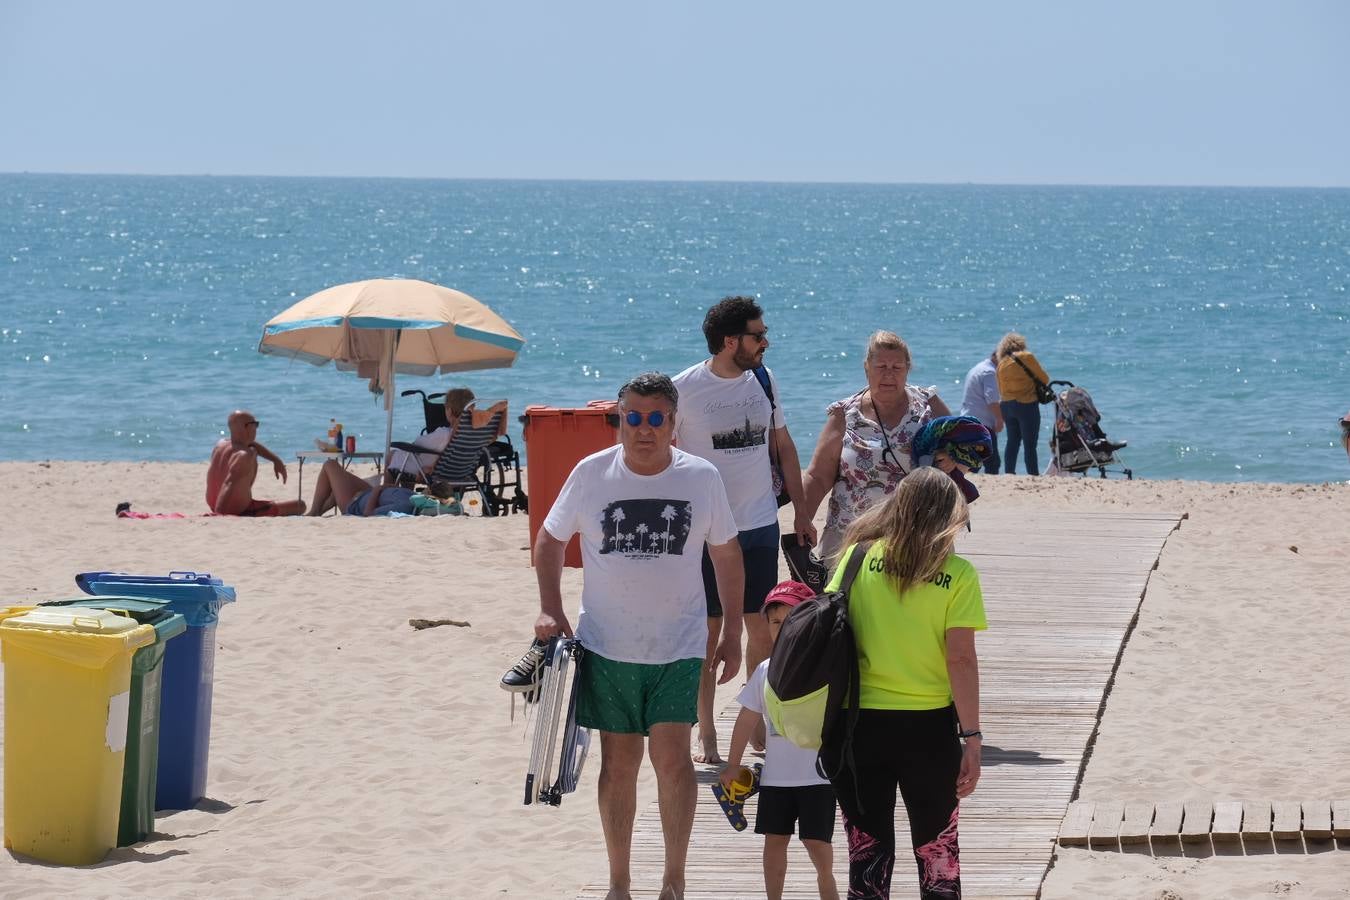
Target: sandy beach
353,755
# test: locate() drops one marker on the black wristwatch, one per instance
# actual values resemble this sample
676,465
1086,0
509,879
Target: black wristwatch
963,735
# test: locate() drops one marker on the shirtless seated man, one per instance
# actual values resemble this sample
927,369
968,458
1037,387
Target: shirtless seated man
234,465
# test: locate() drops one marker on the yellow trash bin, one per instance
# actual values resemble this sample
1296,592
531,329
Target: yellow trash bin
67,683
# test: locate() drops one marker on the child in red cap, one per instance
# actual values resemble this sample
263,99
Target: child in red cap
792,794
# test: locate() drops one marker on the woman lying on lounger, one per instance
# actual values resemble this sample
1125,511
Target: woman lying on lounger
354,496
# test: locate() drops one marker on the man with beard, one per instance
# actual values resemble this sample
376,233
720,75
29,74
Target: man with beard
727,417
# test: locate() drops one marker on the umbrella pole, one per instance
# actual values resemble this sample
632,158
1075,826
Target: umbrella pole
391,341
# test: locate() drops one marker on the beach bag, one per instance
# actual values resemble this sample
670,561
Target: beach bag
775,469
1044,393
813,670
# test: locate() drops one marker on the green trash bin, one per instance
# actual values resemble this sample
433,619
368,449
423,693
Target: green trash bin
137,818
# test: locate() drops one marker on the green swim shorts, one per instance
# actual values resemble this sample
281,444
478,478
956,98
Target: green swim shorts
629,698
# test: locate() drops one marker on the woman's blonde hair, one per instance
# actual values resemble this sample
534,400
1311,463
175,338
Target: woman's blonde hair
456,401
886,340
918,525
1012,343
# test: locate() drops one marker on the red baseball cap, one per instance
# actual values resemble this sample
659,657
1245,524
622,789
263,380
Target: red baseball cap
788,593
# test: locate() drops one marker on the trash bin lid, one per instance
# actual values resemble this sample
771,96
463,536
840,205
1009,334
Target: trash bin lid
72,619
197,597
9,612
145,610
592,409
86,580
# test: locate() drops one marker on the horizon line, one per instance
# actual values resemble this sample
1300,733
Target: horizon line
582,180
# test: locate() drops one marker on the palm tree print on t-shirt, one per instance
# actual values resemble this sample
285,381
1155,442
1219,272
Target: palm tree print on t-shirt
645,529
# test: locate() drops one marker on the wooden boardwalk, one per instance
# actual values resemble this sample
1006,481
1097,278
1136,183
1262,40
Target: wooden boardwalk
1061,591
1113,825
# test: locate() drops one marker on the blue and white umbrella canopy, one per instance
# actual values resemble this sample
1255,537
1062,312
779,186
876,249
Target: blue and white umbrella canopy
388,326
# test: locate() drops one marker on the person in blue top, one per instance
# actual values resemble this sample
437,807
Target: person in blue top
981,400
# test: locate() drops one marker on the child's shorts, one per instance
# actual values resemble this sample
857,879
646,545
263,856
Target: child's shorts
809,807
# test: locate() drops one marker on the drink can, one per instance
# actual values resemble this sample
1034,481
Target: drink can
351,443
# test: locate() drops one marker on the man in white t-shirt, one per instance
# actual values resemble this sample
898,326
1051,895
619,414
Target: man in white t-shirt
644,511
729,419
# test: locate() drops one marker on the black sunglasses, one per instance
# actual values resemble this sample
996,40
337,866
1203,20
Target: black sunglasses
760,336
253,422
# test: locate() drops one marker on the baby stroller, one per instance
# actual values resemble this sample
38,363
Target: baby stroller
499,468
1077,442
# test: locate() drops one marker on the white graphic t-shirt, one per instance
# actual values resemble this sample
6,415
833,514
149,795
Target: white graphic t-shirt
726,421
642,540
785,764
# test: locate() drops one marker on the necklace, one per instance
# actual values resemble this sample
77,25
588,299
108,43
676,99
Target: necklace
885,432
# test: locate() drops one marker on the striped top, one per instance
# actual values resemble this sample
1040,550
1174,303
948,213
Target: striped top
461,456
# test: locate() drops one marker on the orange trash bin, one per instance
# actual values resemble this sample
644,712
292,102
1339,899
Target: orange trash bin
556,439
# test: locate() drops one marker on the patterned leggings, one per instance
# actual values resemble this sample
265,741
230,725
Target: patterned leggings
917,752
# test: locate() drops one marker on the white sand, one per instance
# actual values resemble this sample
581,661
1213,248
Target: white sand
353,755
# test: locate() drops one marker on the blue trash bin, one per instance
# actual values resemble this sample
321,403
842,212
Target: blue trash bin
188,677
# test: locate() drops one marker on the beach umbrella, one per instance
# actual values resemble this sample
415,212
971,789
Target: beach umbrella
386,327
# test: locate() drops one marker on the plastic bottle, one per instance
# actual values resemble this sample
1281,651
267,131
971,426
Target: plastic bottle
332,432
337,442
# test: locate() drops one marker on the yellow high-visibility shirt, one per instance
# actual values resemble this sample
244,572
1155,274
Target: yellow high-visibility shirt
902,640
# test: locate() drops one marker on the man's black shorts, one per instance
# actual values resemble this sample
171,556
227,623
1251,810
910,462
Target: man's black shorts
810,808
759,550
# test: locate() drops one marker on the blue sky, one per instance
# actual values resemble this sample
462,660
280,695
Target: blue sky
1045,93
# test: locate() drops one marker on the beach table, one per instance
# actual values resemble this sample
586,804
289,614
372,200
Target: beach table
345,458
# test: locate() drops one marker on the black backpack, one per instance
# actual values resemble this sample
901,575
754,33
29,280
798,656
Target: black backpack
813,671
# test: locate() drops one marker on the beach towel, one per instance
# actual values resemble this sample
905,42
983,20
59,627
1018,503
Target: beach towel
124,511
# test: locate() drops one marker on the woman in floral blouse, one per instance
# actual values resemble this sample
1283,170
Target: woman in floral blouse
863,450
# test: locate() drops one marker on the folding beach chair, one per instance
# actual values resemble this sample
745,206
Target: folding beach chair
555,719
465,463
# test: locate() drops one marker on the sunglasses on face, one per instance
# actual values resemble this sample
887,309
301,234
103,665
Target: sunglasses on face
655,419
761,337
252,424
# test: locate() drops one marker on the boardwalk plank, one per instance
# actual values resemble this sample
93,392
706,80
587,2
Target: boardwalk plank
1106,819
1288,820
1045,662
1196,819
1167,820
1316,819
1227,820
1077,824
1138,820
1255,818
1340,819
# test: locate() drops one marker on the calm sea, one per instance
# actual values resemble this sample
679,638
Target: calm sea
1212,326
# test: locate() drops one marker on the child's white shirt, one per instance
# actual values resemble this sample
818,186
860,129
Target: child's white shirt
785,764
